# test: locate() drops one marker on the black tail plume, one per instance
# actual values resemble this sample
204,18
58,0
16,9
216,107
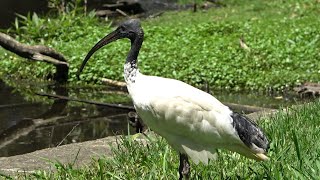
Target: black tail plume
249,132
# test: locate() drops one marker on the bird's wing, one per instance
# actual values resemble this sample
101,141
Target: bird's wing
196,126
193,121
193,115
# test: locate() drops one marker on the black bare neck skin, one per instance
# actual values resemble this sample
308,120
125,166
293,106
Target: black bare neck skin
136,43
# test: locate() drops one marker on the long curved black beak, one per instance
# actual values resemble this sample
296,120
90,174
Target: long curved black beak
104,41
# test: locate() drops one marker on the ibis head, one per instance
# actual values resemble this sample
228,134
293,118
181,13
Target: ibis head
130,29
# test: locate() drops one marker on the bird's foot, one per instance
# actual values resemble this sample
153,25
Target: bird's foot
184,168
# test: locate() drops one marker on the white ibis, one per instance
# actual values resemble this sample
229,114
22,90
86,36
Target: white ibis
192,121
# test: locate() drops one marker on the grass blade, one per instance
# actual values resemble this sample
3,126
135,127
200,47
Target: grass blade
164,163
296,145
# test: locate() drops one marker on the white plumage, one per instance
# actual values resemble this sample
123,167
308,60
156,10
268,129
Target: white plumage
192,121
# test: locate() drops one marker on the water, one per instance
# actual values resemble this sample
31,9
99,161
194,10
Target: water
29,122
29,125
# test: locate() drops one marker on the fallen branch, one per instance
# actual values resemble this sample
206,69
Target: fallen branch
114,83
122,13
156,14
48,59
308,89
121,106
38,53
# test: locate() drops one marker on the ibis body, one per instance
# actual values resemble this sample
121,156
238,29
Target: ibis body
192,121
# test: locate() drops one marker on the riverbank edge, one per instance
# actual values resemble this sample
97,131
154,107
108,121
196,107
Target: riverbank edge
78,154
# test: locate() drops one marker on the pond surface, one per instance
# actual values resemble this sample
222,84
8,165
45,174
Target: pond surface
29,122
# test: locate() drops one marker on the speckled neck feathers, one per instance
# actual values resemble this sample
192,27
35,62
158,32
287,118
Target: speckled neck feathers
130,72
131,66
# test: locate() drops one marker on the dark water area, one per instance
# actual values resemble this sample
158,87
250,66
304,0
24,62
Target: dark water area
29,122
28,125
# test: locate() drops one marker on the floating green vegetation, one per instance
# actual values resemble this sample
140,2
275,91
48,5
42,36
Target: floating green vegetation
283,39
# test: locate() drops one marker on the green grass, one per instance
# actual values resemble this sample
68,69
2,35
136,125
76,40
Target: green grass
194,47
294,154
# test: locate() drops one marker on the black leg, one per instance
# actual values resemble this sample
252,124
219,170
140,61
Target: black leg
135,121
184,168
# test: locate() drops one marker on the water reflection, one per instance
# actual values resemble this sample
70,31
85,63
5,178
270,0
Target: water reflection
27,126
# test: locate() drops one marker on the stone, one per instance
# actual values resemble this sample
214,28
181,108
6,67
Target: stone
78,153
